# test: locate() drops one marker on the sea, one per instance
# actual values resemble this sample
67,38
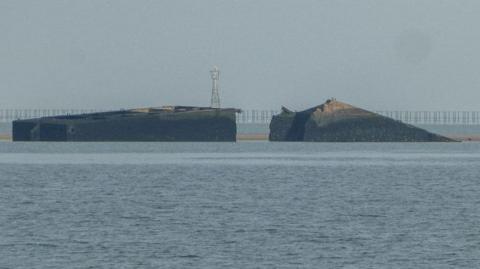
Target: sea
239,205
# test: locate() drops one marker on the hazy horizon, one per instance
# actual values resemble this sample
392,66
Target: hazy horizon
405,54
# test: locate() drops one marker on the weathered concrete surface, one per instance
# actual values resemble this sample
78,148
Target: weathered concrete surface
335,121
150,124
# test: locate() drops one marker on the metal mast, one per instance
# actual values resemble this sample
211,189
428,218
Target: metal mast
215,101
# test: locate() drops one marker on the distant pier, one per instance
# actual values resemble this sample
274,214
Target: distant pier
253,123
258,116
8,115
410,117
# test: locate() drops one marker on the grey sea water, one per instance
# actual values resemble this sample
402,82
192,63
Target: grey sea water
239,205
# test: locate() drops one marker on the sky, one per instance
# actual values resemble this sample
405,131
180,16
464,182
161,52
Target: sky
380,55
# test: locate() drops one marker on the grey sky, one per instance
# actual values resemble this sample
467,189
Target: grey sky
384,54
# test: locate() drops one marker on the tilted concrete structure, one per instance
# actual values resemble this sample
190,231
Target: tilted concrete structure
335,121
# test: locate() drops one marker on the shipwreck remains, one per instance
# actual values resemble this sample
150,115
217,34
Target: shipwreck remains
335,121
171,123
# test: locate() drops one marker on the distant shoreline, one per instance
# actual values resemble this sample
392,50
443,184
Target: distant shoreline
465,138
240,137
5,137
252,137
264,137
